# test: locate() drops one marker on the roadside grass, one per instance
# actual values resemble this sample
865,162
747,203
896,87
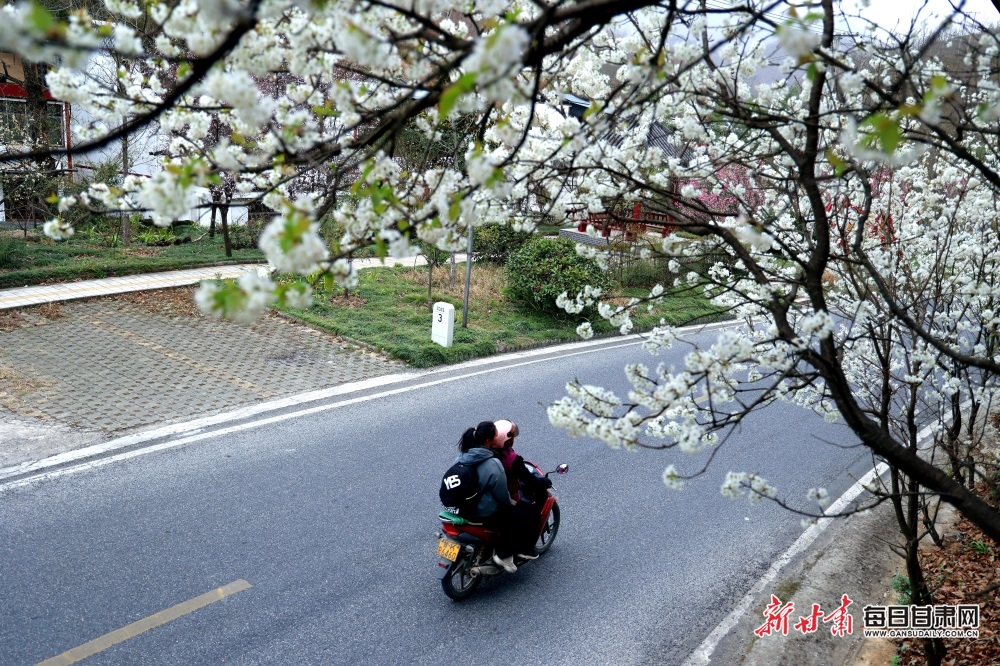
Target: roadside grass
388,311
39,260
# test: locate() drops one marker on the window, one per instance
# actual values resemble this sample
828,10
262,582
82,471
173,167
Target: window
14,121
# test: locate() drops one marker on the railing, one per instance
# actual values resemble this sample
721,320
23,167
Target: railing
637,221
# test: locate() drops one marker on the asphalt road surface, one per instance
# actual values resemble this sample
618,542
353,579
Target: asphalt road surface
323,525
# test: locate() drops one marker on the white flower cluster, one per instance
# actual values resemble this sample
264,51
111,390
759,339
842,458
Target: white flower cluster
169,194
583,300
495,57
820,496
24,29
817,324
58,229
754,486
672,479
291,242
253,294
239,91
797,39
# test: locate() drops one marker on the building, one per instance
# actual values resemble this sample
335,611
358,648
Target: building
20,205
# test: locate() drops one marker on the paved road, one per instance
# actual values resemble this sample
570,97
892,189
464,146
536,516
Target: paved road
330,516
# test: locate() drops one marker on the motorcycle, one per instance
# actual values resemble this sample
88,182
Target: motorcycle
465,548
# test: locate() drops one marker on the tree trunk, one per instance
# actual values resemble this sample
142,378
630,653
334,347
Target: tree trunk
430,286
907,502
36,134
224,217
36,106
126,220
211,225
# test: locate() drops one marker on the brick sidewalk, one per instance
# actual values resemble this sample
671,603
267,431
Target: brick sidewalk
111,365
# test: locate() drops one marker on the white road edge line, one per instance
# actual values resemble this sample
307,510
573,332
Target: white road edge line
702,655
191,430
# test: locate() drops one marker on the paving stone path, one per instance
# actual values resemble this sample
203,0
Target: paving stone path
107,365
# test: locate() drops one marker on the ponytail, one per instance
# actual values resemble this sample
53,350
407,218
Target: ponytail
478,436
467,440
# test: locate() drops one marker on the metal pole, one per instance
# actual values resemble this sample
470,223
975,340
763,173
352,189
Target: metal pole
468,277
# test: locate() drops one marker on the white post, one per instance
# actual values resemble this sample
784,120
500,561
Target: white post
443,324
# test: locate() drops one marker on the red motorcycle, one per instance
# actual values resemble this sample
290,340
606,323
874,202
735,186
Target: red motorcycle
465,548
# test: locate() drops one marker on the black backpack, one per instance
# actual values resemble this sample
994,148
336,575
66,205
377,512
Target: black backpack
460,486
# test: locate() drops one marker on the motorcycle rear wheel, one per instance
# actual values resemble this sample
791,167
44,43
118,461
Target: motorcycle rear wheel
458,583
549,531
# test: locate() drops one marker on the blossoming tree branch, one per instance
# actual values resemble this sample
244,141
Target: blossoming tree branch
833,185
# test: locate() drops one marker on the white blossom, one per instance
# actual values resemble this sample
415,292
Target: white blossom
57,229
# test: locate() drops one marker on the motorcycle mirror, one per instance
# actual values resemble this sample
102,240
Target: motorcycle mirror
562,469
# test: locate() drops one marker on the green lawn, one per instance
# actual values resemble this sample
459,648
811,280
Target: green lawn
39,260
388,310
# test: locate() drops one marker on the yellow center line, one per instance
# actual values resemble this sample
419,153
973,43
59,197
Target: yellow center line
145,624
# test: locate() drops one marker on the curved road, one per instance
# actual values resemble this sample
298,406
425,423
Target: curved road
329,518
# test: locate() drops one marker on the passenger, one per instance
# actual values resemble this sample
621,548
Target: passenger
495,509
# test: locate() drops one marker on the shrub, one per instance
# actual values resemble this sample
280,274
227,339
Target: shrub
243,236
546,267
496,242
646,273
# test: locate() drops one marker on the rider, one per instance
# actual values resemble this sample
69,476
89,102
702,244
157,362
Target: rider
495,507
506,432
519,478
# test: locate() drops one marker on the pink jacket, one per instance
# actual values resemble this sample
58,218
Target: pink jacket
506,455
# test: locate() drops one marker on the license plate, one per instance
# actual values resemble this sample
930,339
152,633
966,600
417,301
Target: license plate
448,549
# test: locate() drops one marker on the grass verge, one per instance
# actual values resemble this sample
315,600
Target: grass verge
388,311
39,260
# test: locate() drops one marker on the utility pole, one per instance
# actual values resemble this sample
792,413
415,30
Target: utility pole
468,277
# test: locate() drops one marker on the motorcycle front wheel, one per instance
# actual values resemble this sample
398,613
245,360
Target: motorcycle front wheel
549,530
458,582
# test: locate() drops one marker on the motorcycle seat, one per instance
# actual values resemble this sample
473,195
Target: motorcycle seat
455,519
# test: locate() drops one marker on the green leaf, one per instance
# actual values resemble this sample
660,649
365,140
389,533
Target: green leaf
359,186
885,129
839,165
455,209
328,281
812,71
327,110
40,18
183,70
498,176
451,94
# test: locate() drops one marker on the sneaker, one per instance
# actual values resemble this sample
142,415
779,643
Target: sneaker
524,556
507,563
